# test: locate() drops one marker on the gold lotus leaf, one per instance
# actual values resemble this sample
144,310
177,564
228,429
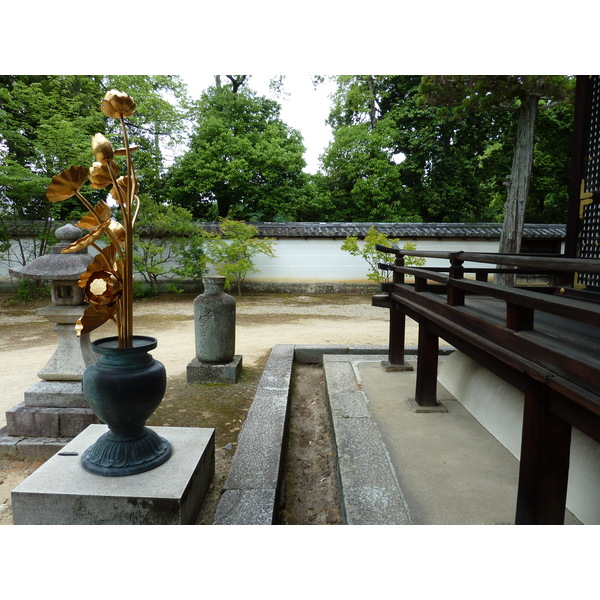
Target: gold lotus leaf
93,317
66,184
90,221
99,174
92,236
123,151
117,104
102,148
117,229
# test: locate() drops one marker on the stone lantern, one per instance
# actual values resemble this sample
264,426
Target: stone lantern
55,407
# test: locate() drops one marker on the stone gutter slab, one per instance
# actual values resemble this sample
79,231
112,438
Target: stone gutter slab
370,491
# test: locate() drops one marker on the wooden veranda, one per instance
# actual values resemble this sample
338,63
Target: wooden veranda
542,339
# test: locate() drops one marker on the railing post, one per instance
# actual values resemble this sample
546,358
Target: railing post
397,332
456,296
519,318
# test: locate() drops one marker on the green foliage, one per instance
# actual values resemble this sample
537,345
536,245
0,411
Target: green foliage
46,125
232,252
171,238
410,148
367,250
243,162
29,290
192,257
498,98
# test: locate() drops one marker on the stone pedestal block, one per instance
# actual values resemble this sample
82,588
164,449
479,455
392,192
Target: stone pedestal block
56,394
62,492
44,422
200,372
73,354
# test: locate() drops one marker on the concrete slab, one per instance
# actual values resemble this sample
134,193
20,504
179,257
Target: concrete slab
370,491
451,469
61,492
255,505
48,422
252,484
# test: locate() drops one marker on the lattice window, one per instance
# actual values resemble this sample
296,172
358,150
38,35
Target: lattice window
590,241
592,170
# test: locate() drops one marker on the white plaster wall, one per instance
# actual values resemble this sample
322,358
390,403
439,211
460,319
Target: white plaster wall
318,260
498,406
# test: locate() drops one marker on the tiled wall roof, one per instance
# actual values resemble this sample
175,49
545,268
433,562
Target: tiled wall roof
398,230
392,230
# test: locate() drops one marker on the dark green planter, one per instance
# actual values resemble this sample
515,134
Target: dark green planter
123,388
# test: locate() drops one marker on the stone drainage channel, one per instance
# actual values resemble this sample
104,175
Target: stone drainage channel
367,483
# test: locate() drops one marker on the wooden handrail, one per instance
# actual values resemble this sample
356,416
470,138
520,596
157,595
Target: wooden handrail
544,262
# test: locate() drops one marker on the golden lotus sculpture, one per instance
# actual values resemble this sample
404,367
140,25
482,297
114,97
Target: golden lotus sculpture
108,281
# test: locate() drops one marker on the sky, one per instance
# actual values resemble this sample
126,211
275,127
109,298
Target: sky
303,107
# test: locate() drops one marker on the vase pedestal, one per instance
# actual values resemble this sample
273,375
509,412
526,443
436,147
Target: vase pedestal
62,492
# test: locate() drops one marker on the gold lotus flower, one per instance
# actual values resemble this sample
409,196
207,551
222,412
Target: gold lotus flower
102,148
117,104
103,288
103,261
108,281
66,184
99,174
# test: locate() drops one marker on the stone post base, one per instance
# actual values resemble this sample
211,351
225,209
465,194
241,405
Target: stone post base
48,422
201,372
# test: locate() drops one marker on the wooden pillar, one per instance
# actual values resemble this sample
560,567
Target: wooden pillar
396,358
397,334
544,468
427,367
456,296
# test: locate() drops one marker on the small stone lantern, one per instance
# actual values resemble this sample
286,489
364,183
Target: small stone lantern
55,407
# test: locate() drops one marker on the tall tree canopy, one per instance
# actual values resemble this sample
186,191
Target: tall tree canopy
243,161
46,124
405,149
523,95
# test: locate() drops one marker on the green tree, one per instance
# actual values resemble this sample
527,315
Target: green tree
243,161
46,124
524,96
232,251
393,160
367,250
165,241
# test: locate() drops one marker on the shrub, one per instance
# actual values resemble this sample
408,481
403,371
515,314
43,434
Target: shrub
232,252
367,250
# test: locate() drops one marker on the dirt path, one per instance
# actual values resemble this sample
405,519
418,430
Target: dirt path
27,342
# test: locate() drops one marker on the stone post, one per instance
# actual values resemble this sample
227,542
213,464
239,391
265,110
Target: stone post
55,407
214,328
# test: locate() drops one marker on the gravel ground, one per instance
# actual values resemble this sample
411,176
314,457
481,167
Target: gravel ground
263,321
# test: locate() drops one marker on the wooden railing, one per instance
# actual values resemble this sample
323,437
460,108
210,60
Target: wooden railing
544,340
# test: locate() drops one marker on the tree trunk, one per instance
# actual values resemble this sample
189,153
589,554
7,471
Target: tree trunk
518,185
373,102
